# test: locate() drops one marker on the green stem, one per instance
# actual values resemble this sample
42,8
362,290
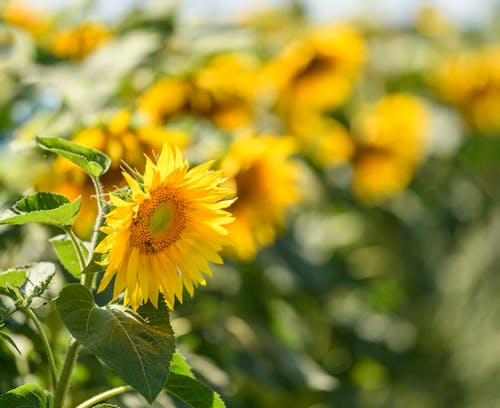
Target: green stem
66,371
87,279
105,395
77,245
46,346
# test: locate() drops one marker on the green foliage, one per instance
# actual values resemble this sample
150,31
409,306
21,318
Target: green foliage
66,253
93,162
12,277
32,279
138,348
182,384
8,339
26,396
44,208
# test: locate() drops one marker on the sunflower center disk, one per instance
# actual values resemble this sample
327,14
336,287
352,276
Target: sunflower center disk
159,222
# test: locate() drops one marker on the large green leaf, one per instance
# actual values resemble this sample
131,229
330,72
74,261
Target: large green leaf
26,396
45,208
183,385
137,347
67,254
92,161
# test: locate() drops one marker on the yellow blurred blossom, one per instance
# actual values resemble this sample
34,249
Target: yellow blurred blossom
390,138
221,92
316,72
325,140
165,98
76,43
471,81
264,177
121,142
23,15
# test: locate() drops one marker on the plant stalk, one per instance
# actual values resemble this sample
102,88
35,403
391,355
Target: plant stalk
46,347
66,371
105,395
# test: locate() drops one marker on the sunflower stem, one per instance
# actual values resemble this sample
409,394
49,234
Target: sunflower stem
66,371
105,395
46,347
78,247
88,279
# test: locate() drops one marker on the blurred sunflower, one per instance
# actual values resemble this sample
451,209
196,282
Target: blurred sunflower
266,181
160,240
325,140
316,72
222,92
390,137
121,142
76,43
25,16
471,81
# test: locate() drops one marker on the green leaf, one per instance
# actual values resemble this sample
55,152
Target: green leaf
26,396
13,277
26,281
94,267
137,347
183,385
66,253
8,339
92,161
45,208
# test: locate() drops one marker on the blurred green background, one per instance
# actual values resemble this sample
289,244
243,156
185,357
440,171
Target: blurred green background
390,301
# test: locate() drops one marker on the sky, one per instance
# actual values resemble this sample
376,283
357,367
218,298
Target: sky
463,12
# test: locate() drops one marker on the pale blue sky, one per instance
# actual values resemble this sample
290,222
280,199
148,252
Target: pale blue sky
394,11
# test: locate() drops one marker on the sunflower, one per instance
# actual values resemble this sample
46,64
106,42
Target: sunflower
470,80
390,138
317,72
160,240
121,141
221,92
25,16
76,43
265,179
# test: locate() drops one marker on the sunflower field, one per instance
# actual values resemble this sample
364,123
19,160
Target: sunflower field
261,211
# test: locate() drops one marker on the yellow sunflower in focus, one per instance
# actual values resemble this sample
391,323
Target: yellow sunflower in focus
265,179
160,240
121,142
76,43
390,137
